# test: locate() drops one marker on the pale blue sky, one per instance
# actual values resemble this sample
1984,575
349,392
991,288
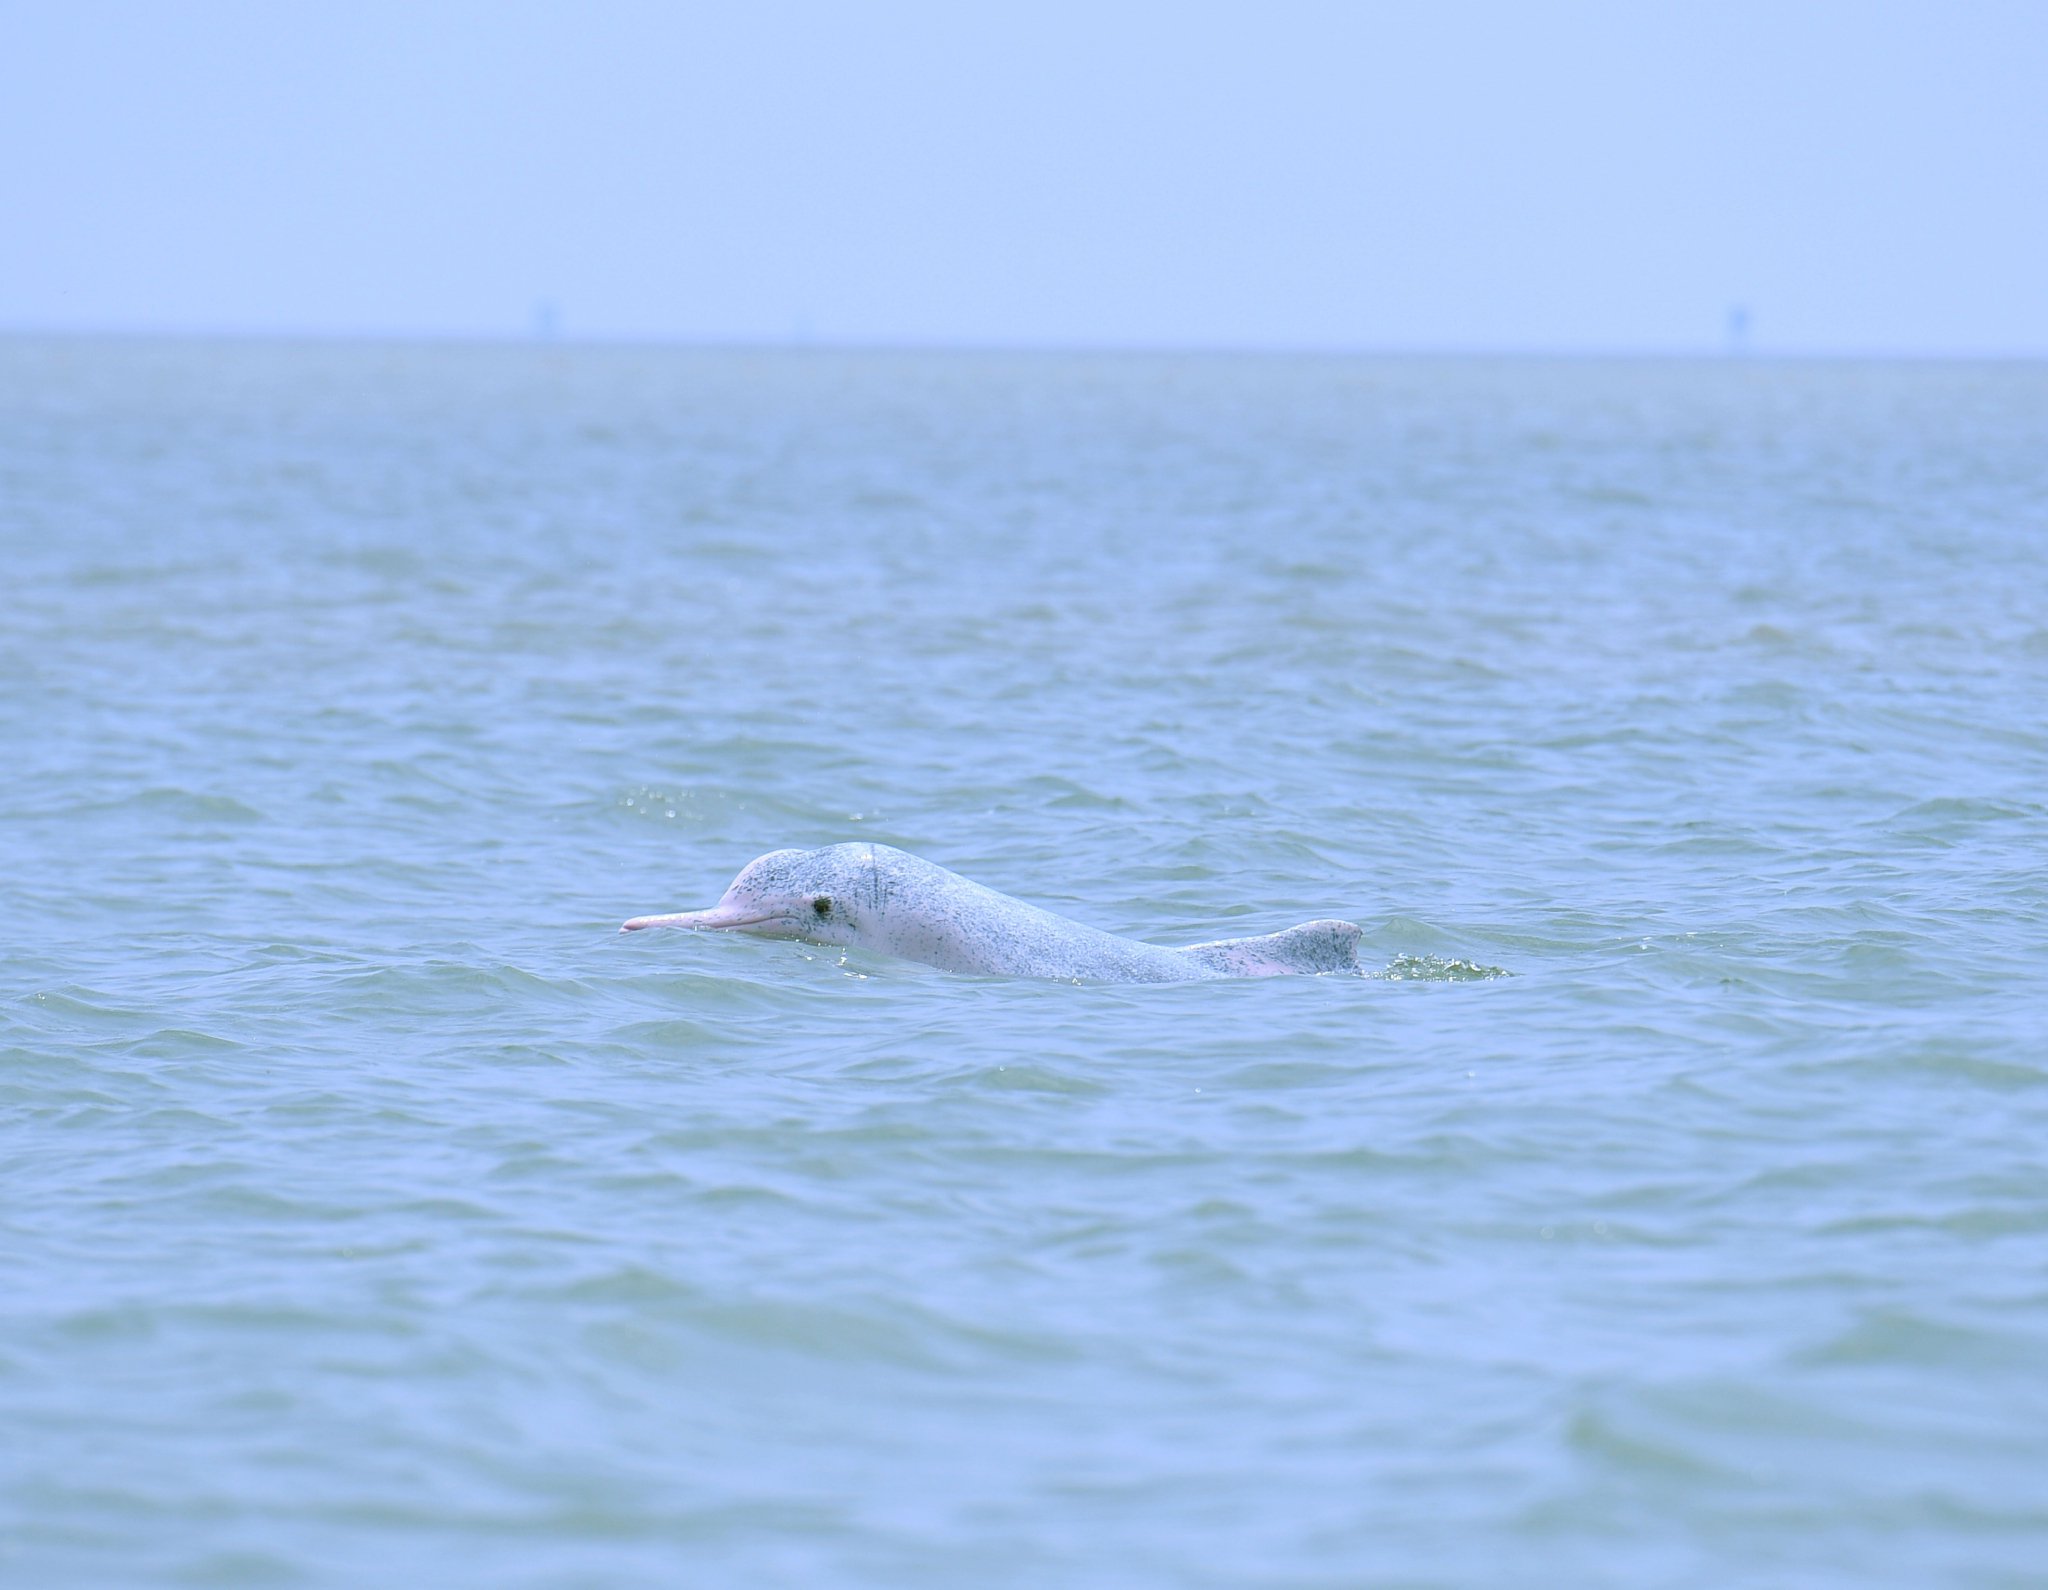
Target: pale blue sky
1864,177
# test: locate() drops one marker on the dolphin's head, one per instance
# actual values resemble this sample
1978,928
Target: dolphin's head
786,894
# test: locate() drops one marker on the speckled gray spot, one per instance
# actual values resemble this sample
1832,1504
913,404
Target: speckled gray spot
880,898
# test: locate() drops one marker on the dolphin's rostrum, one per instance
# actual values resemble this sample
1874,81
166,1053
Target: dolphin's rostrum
881,898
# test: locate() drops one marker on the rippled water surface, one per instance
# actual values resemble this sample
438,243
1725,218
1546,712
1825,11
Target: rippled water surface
370,1207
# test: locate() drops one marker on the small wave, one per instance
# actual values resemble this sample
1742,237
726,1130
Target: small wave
1437,969
179,803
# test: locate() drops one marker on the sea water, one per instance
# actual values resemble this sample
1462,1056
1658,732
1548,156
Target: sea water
1669,1208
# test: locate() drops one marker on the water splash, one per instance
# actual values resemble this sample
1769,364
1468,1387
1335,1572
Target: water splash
1437,969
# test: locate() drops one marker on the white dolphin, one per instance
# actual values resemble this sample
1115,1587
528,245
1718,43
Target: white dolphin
881,898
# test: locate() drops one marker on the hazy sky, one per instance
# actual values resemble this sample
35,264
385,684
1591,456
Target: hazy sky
1862,177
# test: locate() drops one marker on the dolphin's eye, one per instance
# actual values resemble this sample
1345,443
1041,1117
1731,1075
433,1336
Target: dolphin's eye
822,905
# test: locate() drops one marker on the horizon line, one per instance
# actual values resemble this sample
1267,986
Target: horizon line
814,343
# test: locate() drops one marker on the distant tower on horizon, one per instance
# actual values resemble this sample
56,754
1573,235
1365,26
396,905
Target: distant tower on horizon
1738,329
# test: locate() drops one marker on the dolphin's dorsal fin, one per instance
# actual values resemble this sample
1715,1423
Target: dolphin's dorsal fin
1313,947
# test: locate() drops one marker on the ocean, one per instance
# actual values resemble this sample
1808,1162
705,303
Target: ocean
1669,1205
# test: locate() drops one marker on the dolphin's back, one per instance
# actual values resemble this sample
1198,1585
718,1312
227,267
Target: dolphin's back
1308,950
936,916
928,913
